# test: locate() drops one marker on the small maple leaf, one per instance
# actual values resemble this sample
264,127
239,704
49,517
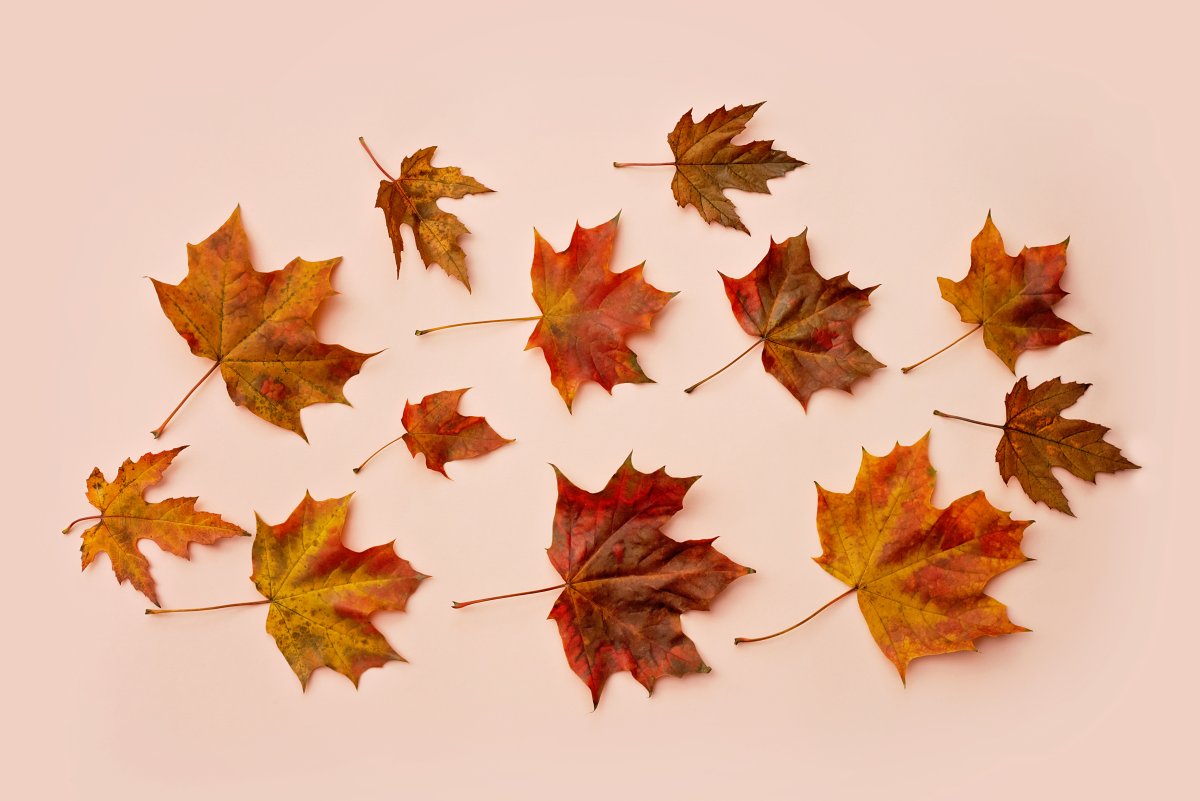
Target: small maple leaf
919,571
434,428
257,328
126,518
1037,438
412,200
707,163
806,321
588,312
322,594
625,583
1010,297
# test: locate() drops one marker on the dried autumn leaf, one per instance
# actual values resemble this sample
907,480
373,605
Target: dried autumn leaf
707,163
322,594
625,583
1037,438
1010,298
258,328
412,200
919,571
434,428
804,321
588,312
126,517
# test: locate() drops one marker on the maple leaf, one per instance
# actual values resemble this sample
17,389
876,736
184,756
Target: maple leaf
588,312
126,518
707,163
625,583
804,321
1010,298
1037,438
434,428
919,571
257,328
412,200
322,594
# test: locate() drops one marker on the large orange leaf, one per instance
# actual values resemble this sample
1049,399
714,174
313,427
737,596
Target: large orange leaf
625,583
707,163
411,200
126,518
435,429
588,312
322,594
1010,298
919,571
258,328
1037,438
804,321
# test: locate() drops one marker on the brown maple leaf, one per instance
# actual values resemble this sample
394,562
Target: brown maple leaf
322,594
919,571
126,518
588,312
434,428
804,321
258,328
1037,438
412,200
625,583
707,163
1010,298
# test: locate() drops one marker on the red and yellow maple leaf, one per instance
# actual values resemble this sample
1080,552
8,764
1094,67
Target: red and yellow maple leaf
588,312
258,328
625,583
1010,298
434,428
707,163
322,594
919,571
411,200
804,321
1037,438
126,518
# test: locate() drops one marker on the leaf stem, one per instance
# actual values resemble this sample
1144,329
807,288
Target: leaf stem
376,453
206,608
461,604
726,367
620,164
423,331
969,420
71,525
363,142
912,367
740,640
156,433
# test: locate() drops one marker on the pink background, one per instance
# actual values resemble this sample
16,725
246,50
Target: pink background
132,128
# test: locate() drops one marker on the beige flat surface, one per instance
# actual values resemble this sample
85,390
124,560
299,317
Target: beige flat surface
132,129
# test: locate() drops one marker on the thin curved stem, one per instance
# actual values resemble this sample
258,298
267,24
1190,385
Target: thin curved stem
206,608
376,453
156,433
726,367
363,142
423,331
968,420
461,604
619,164
71,525
740,640
912,367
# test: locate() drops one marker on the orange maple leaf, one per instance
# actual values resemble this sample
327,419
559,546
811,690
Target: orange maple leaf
919,571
